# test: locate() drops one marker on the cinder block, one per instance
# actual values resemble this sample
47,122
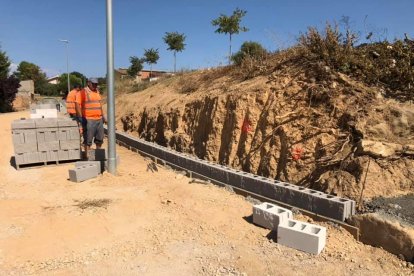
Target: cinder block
18,136
74,154
302,236
47,134
52,155
27,158
63,155
48,146
46,123
97,155
67,122
30,136
69,144
23,124
269,215
69,133
97,164
24,148
82,173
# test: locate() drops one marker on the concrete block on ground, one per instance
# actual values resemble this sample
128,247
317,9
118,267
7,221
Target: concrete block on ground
18,137
67,122
63,155
48,146
84,172
97,155
269,215
47,134
23,124
302,236
46,123
27,158
24,148
69,144
97,164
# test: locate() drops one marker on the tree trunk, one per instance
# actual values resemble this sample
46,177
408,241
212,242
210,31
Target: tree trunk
230,51
175,52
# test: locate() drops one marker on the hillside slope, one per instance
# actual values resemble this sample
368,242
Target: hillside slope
317,128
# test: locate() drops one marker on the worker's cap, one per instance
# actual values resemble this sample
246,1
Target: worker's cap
93,80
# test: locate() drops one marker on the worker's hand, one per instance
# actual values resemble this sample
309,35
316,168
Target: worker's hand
104,120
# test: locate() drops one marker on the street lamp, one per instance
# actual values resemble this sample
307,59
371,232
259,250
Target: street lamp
67,60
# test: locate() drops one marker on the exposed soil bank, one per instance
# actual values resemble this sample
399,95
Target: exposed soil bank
379,231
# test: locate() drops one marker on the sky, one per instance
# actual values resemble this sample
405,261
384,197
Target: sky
30,29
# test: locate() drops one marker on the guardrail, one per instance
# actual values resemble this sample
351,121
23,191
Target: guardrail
314,201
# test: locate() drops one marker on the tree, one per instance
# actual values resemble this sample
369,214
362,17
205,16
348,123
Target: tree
62,85
151,57
250,49
80,76
8,84
135,67
175,42
30,71
230,25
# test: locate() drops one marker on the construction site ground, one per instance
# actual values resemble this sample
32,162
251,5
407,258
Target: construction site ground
151,222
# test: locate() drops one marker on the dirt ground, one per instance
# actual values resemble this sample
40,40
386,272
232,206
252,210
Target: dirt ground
151,223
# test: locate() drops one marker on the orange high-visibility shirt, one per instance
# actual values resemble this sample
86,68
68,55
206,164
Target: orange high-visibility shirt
70,101
90,103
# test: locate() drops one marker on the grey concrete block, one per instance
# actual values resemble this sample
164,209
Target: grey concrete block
82,173
97,155
302,236
48,146
46,123
27,158
96,164
270,215
18,137
52,155
24,148
69,144
47,134
63,155
23,124
74,154
30,136
66,122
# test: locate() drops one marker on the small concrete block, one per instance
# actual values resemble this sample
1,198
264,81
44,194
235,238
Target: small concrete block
19,158
97,164
67,122
23,124
69,133
30,136
47,134
46,123
42,156
270,215
48,146
18,137
82,173
27,158
24,148
74,154
63,155
52,155
302,236
97,155
69,144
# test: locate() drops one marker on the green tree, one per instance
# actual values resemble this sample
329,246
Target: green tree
175,42
30,71
8,84
62,85
151,57
230,25
135,67
250,49
80,76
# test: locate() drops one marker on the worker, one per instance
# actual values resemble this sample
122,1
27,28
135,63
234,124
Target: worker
89,107
70,101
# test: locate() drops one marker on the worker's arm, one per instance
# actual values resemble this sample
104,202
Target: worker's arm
78,110
103,115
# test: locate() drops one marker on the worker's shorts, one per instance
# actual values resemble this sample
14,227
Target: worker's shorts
94,132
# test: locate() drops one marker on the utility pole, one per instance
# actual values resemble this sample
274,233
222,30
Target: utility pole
110,84
67,60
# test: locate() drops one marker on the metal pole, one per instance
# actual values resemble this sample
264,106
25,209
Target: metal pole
67,64
110,86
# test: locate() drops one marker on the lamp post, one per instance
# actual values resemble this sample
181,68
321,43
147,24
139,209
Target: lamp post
67,60
110,85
